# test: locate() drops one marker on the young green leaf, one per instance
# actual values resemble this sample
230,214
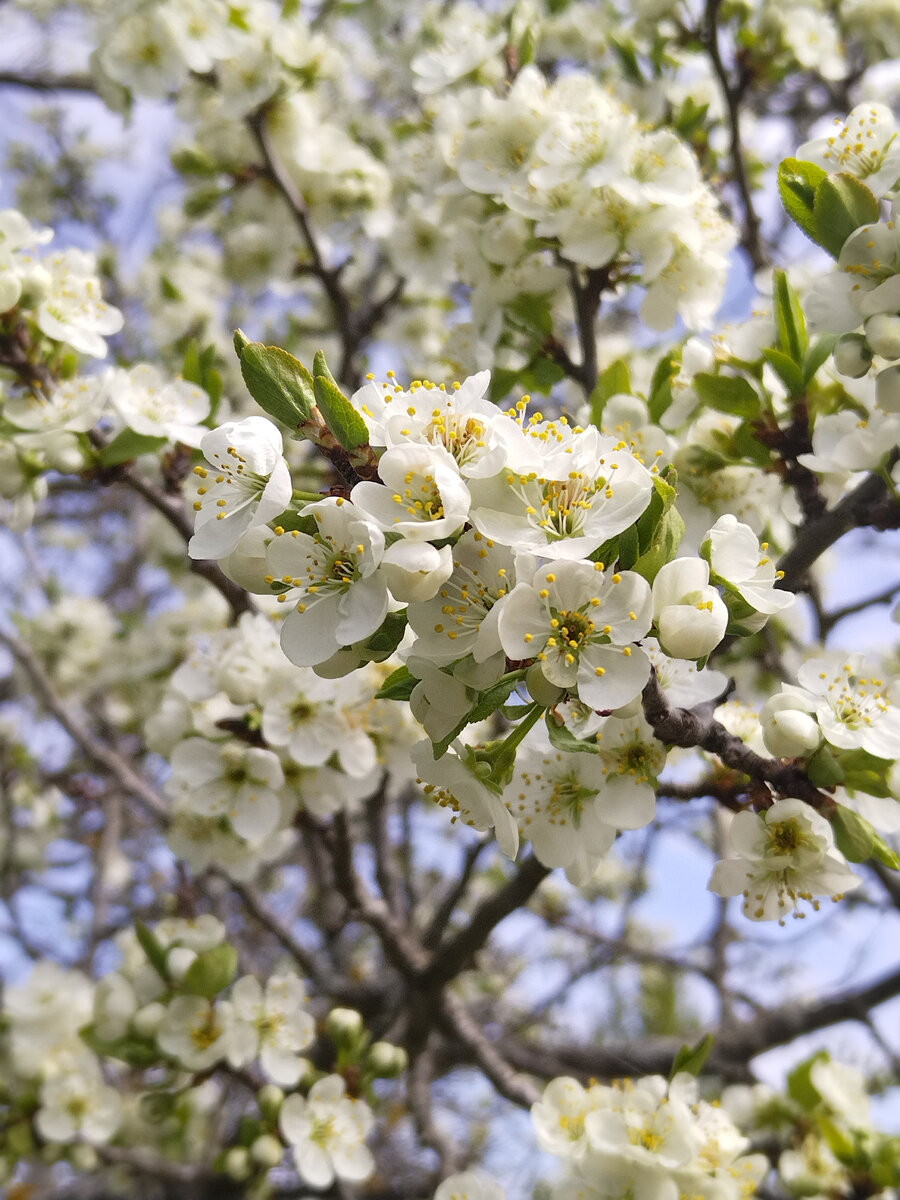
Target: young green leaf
843,203
340,416
797,183
278,382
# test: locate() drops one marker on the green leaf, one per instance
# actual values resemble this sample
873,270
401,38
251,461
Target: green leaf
340,416
485,706
399,685
885,853
168,289
818,355
728,394
786,369
191,367
797,183
843,203
190,160
278,382
661,385
853,834
793,338
692,1058
152,947
615,380
629,548
627,56
533,313
502,383
664,546
136,1051
799,1083
563,739
211,972
389,635
128,445
320,367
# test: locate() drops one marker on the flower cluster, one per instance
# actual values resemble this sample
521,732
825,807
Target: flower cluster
253,738
644,1137
488,527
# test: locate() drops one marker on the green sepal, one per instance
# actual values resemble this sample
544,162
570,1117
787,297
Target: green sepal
793,338
693,1058
152,947
128,445
797,183
399,685
728,394
843,203
211,971
340,416
278,382
824,769
562,738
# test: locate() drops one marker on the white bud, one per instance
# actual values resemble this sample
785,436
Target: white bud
344,1024
415,570
387,1060
267,1151
690,615
146,1020
887,389
178,962
789,731
83,1158
852,356
237,1163
883,335
270,1098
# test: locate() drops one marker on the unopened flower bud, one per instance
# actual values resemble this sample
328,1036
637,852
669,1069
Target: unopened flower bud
145,1021
237,1164
788,730
883,335
83,1157
386,1060
887,389
267,1151
344,1025
541,690
179,961
270,1098
852,356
